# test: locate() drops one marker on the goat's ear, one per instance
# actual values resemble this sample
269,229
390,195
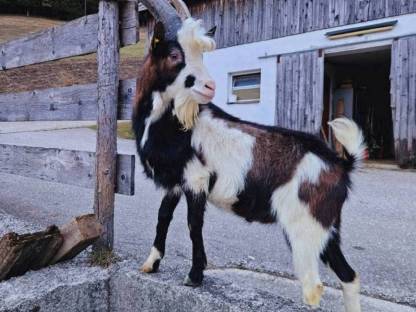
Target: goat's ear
211,32
158,35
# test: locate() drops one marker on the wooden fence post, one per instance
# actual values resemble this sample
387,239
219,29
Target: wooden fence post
106,149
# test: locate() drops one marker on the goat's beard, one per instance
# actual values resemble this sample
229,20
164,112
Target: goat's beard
187,111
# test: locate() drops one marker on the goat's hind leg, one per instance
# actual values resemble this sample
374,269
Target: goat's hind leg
307,240
167,207
332,255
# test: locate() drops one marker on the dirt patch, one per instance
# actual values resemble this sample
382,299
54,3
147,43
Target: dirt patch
59,74
14,26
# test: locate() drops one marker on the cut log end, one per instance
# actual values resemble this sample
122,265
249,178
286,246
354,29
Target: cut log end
32,251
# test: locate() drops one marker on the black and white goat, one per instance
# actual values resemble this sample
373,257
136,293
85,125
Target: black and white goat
189,146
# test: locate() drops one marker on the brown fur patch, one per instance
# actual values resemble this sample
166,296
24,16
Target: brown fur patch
154,71
325,198
145,83
272,148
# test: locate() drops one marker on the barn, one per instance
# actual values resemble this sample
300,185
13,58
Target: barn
300,63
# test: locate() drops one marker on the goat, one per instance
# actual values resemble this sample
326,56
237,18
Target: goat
189,146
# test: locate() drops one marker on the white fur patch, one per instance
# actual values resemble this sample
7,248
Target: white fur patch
351,292
194,42
306,234
153,256
228,152
192,37
350,136
196,176
157,111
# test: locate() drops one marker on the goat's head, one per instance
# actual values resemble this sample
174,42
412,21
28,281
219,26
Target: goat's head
175,62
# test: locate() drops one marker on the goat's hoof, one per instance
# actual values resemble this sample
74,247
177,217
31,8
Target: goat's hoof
312,297
189,282
194,278
150,267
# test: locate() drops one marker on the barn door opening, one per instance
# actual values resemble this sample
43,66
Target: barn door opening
357,85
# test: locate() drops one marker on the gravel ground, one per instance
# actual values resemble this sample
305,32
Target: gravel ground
379,239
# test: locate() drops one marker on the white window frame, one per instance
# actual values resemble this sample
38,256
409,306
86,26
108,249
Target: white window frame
230,95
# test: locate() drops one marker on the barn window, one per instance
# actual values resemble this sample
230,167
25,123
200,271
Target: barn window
245,88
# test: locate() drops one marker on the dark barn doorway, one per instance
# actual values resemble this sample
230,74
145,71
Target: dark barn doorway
357,85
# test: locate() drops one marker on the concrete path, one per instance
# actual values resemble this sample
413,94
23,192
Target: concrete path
378,230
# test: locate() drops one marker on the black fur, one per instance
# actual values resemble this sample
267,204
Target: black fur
254,202
196,208
190,81
333,256
167,207
167,149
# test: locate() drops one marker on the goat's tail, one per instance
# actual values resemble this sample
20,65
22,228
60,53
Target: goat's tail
351,137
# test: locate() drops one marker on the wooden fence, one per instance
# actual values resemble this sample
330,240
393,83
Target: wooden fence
106,101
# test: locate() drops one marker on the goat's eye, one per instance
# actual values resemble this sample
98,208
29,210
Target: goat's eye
174,56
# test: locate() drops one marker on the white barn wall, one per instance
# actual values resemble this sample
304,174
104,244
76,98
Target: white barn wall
263,55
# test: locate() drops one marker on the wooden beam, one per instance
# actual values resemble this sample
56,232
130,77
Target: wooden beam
129,27
74,38
78,102
108,58
63,166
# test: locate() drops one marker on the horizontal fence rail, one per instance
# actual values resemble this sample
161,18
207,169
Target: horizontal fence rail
77,102
74,38
63,166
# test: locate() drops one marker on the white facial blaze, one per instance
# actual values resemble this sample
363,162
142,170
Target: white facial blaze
194,42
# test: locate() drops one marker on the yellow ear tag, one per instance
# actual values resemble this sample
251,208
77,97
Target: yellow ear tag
156,40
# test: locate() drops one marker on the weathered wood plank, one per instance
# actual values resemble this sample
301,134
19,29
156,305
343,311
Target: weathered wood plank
108,58
77,37
403,99
78,102
63,166
277,18
129,26
411,134
74,38
318,91
300,91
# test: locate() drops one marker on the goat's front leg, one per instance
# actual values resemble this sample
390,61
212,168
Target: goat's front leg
167,207
196,209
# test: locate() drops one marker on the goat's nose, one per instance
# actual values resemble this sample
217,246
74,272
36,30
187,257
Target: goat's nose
210,85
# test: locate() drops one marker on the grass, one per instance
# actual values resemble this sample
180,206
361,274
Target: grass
124,130
103,258
15,26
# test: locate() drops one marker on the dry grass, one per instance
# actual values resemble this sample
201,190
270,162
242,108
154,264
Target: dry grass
103,258
60,73
124,130
14,26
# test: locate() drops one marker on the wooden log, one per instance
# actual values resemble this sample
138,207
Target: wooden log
106,148
78,102
63,166
129,27
77,235
21,253
74,38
